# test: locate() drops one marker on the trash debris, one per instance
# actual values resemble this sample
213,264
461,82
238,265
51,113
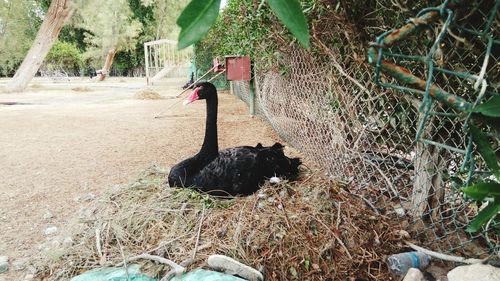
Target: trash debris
399,264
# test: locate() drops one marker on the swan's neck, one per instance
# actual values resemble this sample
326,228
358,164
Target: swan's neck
210,147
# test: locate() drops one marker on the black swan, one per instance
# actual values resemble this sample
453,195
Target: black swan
233,171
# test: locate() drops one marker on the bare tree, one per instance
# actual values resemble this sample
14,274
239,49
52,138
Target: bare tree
59,12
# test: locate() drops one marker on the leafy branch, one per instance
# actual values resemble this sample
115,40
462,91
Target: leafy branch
199,15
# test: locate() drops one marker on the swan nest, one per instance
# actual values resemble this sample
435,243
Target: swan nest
311,229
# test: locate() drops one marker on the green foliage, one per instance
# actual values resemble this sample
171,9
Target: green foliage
480,192
110,24
490,107
199,16
19,22
484,216
64,55
485,149
196,20
240,30
165,14
290,13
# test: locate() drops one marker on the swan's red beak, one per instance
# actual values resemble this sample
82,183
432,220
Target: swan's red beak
192,97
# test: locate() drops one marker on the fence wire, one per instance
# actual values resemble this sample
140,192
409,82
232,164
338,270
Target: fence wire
329,108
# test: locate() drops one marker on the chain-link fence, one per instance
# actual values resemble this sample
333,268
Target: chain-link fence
328,106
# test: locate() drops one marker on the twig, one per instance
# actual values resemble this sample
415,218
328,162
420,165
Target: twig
366,201
173,265
284,212
237,231
199,232
389,184
336,238
181,212
106,243
338,214
165,243
123,257
197,80
443,256
487,227
176,269
98,244
341,70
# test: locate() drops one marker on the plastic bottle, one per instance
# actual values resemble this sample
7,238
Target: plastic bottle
399,264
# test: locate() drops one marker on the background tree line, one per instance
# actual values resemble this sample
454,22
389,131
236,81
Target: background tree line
96,28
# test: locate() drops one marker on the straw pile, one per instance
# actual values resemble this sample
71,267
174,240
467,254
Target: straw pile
148,94
307,230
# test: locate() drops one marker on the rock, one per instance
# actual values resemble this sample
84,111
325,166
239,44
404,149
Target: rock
86,197
67,242
4,264
476,272
55,244
86,213
19,265
399,211
50,230
233,267
414,275
29,277
403,233
48,215
31,269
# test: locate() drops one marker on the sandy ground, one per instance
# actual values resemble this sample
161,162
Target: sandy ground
60,145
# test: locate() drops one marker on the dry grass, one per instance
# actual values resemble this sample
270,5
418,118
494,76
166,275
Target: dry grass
308,230
148,94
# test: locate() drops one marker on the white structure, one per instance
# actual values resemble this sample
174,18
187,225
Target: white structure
163,59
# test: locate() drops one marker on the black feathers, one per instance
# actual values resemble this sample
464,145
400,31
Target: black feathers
232,171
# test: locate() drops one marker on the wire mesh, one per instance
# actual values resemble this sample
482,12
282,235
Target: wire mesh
329,108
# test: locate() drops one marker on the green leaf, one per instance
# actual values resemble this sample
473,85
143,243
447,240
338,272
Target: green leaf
481,190
196,20
484,216
490,107
484,147
290,13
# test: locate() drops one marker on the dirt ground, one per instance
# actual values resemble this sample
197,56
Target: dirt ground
68,141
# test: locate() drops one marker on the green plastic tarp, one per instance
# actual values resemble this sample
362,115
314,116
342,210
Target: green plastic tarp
119,274
113,274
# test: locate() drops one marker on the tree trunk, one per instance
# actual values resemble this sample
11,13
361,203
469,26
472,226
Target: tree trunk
103,73
428,192
59,11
